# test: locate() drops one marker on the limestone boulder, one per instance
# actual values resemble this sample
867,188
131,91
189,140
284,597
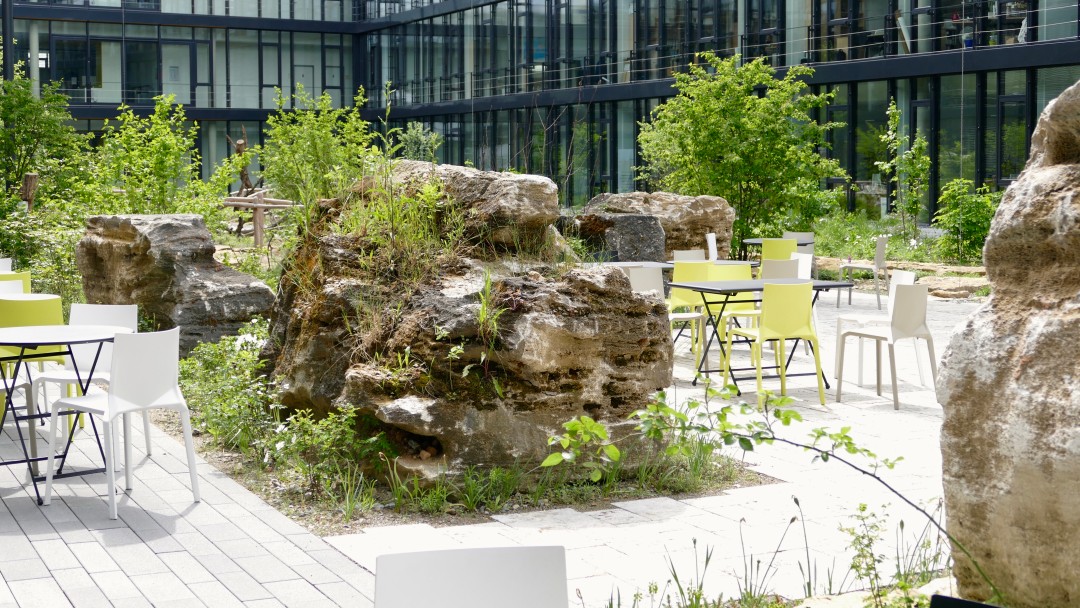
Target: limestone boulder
166,265
566,347
507,209
624,236
1010,386
685,219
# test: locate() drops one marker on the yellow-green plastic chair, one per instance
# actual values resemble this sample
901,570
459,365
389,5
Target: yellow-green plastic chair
786,314
689,271
38,311
778,249
730,272
18,276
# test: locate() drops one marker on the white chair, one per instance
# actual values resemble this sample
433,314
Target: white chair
896,277
779,269
802,237
120,315
907,319
688,255
710,242
494,577
879,266
145,375
643,280
5,264
806,264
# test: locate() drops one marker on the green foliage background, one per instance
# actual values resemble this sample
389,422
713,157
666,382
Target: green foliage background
740,133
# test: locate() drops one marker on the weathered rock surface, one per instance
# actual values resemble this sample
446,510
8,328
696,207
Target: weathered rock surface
507,209
166,265
686,219
1010,386
626,237
446,391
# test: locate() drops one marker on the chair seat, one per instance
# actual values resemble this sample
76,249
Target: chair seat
861,320
854,266
685,316
98,404
69,375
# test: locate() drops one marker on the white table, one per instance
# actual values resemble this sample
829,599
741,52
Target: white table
30,337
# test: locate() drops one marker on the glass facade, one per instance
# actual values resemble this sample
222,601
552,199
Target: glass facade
559,87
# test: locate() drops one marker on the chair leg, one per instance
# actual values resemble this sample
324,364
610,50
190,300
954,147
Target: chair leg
757,353
813,343
841,341
860,361
877,361
877,289
892,369
725,361
933,362
110,474
836,351
127,451
779,352
918,361
146,430
189,444
51,466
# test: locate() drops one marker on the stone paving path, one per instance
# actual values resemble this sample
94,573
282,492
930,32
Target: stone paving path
233,549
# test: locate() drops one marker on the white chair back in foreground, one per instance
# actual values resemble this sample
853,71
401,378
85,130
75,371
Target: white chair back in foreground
495,577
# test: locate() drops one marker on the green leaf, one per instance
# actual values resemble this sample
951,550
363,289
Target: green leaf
746,444
552,460
612,452
596,475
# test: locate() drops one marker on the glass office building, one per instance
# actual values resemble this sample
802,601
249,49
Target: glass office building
558,87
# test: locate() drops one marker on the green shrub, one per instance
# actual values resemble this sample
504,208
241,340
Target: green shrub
229,398
964,214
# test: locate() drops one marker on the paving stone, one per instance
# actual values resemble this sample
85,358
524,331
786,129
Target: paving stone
45,593
299,594
267,569
243,586
215,594
56,554
23,569
80,588
162,587
187,568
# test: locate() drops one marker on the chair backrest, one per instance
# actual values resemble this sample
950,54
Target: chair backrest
801,236
688,271
145,369
806,264
10,286
787,309
710,243
779,269
907,318
687,254
5,264
644,280
46,310
777,249
18,276
879,252
898,277
496,577
121,315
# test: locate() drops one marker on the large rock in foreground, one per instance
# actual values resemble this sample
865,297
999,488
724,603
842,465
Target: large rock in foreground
685,219
165,264
1010,387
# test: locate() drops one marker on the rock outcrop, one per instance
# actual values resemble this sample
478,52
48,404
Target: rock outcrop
625,237
685,219
482,360
1010,386
507,209
166,265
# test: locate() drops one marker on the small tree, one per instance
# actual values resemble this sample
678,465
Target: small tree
908,167
964,214
36,136
417,142
740,133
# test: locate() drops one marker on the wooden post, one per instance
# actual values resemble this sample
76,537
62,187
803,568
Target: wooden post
29,189
257,215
